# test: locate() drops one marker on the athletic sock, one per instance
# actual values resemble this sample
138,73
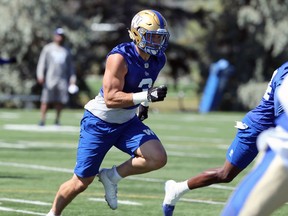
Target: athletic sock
51,213
114,175
182,187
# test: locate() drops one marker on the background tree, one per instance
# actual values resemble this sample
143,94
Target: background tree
253,37
251,34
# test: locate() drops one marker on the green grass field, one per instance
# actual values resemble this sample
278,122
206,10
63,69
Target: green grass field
35,161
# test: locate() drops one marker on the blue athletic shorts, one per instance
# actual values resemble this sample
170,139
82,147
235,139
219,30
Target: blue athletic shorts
243,149
98,136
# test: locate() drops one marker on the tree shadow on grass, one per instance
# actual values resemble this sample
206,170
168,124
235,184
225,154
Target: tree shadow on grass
18,176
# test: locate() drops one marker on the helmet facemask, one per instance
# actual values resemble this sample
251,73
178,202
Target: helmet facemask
153,42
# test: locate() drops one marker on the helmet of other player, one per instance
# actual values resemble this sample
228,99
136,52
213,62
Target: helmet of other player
149,32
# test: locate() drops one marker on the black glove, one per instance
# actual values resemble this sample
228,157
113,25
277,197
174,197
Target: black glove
157,93
142,112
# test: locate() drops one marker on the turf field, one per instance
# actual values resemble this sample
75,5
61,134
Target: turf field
34,161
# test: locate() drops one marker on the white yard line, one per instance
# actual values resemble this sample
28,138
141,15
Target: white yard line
195,139
38,145
9,115
5,209
202,201
175,117
124,202
25,201
48,128
37,167
183,154
222,187
181,128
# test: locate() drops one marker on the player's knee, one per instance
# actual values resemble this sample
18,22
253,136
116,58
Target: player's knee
159,161
81,184
81,187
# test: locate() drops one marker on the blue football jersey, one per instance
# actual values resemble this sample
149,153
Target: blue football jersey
269,108
141,74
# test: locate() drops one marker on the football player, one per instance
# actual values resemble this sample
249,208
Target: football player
110,118
265,189
242,150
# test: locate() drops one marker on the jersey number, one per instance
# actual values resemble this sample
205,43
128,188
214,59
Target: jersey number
145,84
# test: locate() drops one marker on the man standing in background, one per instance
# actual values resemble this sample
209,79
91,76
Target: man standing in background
55,73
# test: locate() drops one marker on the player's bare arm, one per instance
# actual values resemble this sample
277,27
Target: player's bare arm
113,83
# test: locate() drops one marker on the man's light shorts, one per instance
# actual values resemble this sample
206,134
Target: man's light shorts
58,94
